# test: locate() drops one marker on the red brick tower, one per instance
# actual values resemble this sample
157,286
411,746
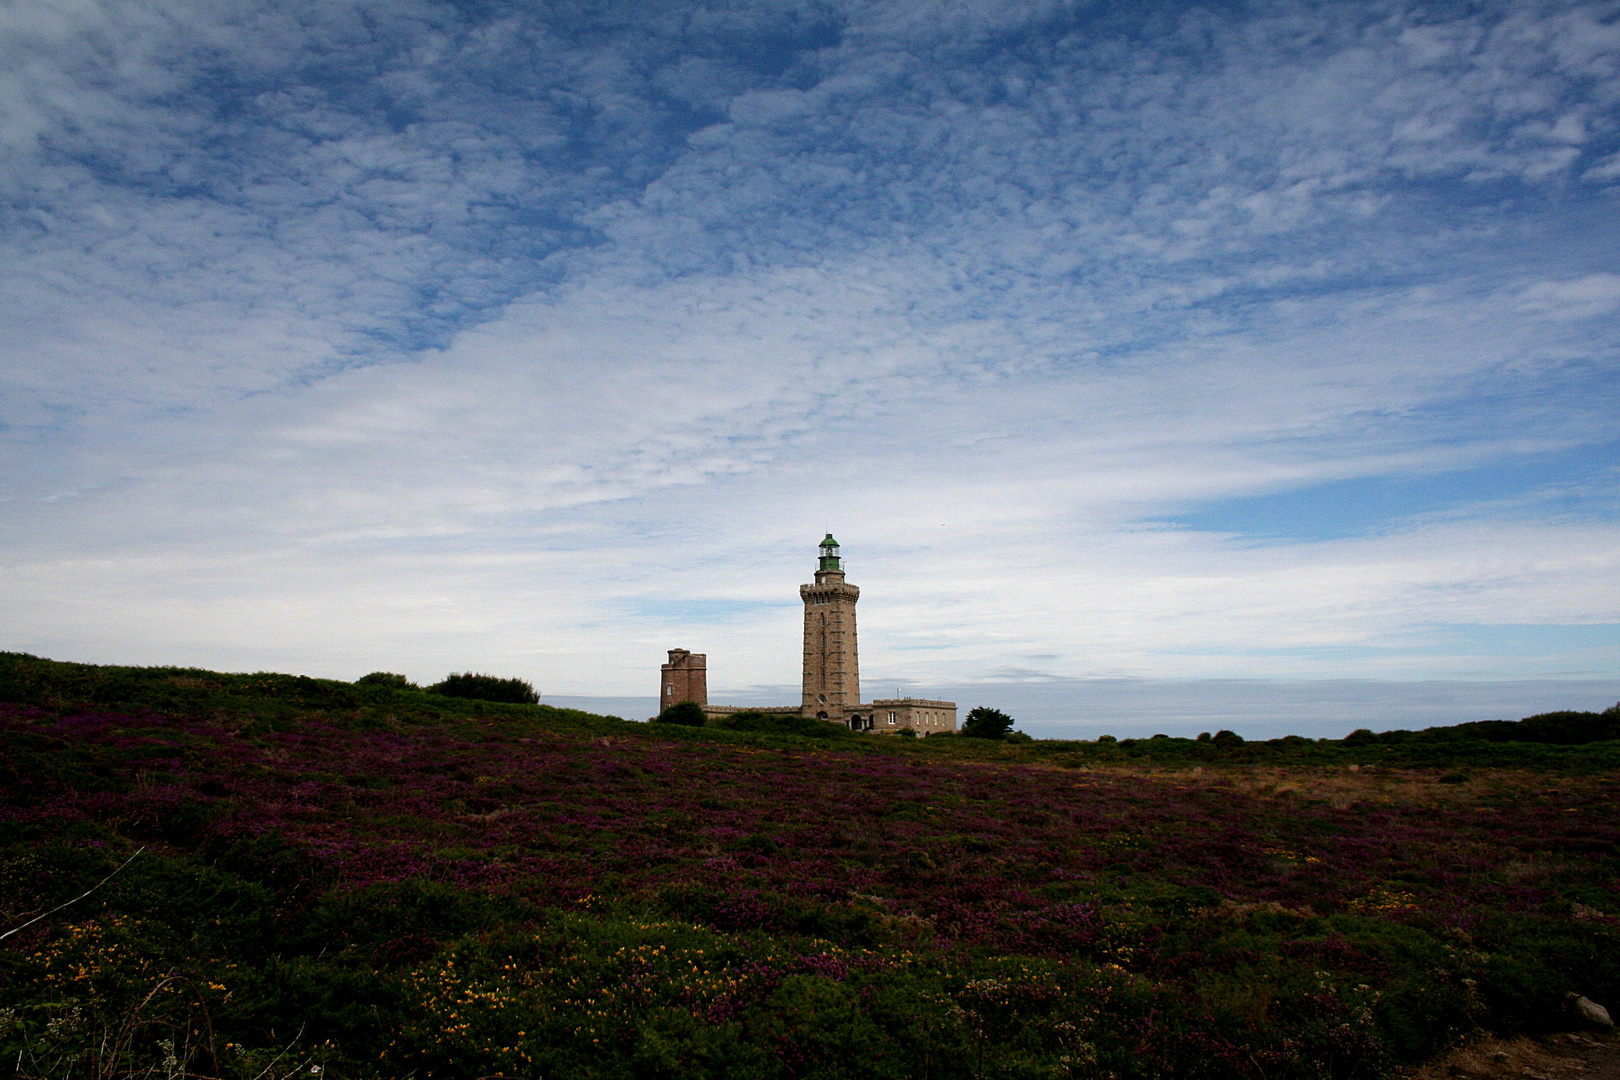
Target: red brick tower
684,678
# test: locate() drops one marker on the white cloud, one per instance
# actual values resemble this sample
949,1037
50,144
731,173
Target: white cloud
1581,298
357,335
526,493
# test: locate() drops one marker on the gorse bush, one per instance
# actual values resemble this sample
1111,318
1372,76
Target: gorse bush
486,688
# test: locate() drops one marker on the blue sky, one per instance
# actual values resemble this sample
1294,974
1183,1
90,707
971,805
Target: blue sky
1269,341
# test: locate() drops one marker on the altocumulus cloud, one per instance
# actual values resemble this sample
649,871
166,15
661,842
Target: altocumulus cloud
1125,341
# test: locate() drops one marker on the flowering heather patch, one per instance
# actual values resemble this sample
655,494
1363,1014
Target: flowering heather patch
519,891
1013,857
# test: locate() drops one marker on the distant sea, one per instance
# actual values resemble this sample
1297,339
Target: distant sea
1254,708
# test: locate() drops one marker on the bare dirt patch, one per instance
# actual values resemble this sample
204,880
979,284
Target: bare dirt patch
1566,1056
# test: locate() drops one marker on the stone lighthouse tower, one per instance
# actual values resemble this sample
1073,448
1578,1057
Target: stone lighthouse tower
832,678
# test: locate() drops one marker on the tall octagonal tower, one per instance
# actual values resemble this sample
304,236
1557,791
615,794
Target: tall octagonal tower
832,675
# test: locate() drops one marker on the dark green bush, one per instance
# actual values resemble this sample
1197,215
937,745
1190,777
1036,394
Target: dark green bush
783,724
984,722
397,923
748,720
292,873
1565,728
388,680
1533,962
486,688
683,713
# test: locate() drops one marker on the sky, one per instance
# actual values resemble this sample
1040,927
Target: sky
1162,346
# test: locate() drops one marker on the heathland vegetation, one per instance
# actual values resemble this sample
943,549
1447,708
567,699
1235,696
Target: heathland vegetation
373,880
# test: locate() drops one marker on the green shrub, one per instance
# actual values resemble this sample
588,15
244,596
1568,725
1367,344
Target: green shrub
747,720
389,681
683,713
782,724
1533,962
397,923
984,722
486,688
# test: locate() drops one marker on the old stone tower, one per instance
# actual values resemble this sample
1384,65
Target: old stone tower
832,676
684,678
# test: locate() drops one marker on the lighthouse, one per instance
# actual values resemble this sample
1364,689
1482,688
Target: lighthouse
832,670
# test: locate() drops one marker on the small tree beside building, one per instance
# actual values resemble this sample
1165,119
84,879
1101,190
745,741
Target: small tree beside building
987,723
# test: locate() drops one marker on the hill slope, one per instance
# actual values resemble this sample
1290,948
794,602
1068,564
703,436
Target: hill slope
391,883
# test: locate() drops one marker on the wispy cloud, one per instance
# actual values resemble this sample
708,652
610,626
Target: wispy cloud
335,335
